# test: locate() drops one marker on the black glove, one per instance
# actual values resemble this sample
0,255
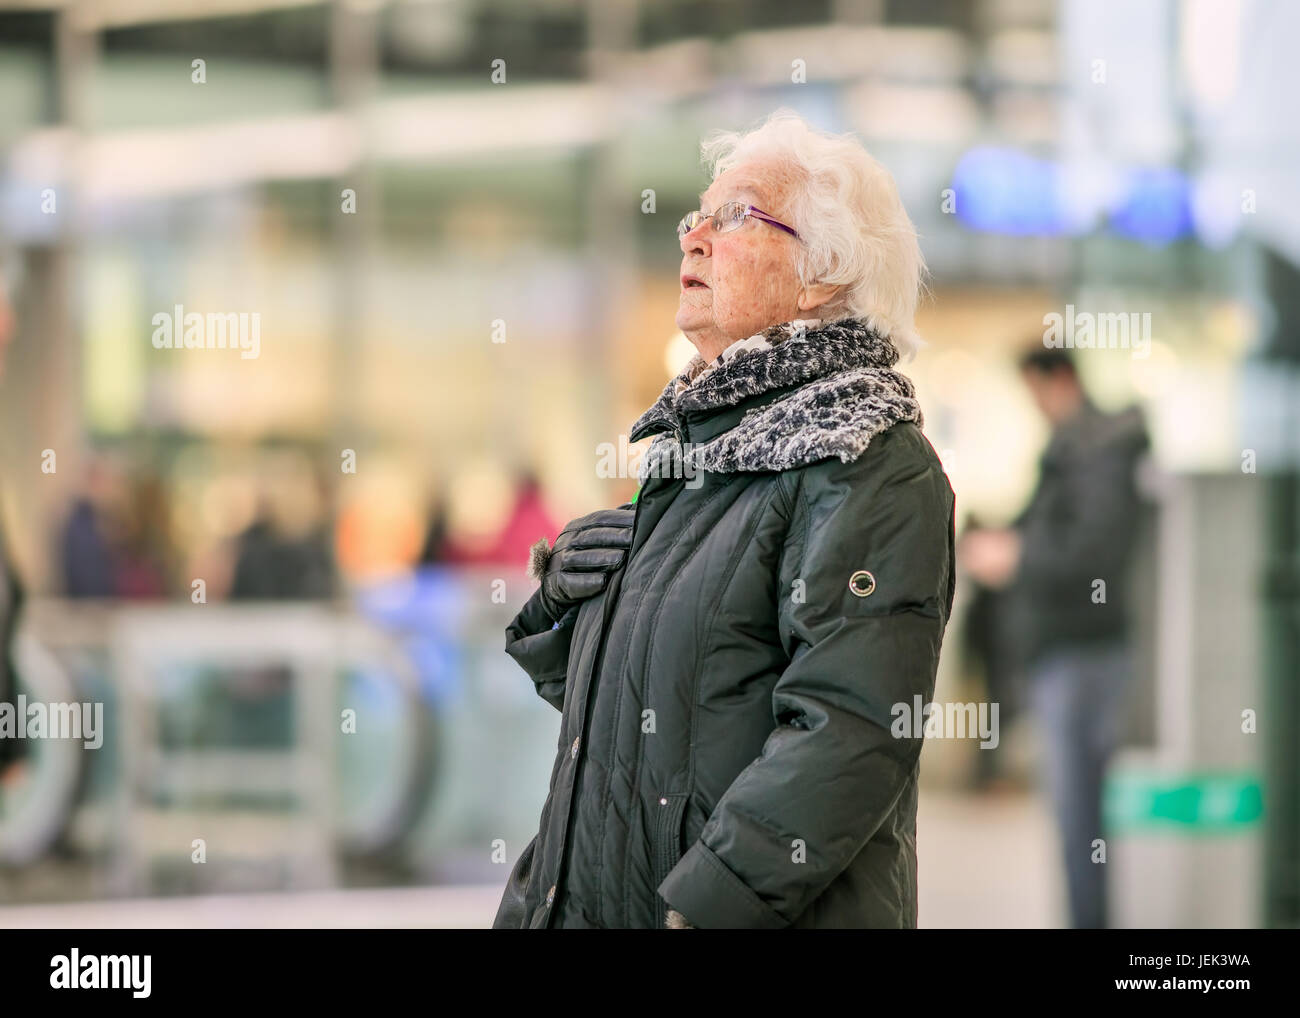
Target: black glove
578,565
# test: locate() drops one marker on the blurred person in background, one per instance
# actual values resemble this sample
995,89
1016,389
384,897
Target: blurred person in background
988,646
437,549
286,553
529,519
781,580
12,751
141,553
84,552
272,565
1065,561
114,541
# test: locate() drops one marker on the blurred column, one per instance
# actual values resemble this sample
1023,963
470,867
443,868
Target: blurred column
611,225
1280,593
59,411
353,70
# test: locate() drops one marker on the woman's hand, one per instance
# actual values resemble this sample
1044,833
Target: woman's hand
578,565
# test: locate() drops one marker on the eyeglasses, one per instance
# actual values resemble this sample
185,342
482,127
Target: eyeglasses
728,217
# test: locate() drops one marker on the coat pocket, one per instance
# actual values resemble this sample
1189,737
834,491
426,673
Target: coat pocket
510,913
667,845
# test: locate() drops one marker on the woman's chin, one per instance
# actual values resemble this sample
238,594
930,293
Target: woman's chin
692,320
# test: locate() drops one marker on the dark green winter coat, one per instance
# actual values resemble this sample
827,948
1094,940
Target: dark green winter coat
725,745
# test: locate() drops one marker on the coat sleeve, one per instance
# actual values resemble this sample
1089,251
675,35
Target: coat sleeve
831,772
541,646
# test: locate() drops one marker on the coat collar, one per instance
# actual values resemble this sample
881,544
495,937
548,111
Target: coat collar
792,394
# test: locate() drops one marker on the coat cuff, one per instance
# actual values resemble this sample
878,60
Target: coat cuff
701,886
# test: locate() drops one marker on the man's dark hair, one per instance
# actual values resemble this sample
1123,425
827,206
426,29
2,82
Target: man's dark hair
1047,360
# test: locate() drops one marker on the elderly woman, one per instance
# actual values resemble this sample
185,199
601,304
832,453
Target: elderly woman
731,652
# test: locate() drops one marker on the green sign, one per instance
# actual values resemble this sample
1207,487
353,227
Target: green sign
1192,803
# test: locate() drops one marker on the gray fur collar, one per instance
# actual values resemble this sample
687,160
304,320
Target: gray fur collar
847,393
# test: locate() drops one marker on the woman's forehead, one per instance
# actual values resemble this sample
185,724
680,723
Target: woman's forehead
735,188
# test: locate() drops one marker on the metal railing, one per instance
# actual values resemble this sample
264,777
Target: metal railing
175,800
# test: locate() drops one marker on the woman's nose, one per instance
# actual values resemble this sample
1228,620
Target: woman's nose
696,241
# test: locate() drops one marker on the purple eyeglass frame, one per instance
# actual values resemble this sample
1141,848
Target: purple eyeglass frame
750,210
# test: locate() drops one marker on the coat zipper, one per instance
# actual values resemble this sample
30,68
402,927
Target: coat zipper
595,673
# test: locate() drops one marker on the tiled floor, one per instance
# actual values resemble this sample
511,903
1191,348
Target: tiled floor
985,861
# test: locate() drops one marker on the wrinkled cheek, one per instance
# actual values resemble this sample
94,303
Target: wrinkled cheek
776,280
728,306
752,301
730,296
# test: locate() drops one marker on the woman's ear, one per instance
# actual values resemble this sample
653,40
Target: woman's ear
814,296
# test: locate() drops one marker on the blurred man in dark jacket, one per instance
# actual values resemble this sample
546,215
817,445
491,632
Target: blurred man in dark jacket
1065,561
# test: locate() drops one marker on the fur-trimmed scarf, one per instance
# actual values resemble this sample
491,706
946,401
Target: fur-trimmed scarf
847,393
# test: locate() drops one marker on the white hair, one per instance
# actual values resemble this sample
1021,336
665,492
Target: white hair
846,208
